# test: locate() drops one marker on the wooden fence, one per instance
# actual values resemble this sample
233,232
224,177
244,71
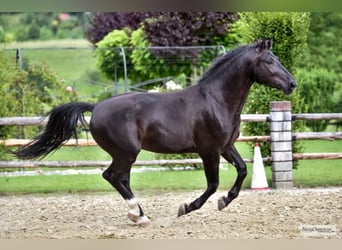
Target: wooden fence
280,138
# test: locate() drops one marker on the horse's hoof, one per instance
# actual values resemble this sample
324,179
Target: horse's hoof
143,221
182,210
221,203
133,217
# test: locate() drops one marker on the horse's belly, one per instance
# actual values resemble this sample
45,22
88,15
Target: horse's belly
165,144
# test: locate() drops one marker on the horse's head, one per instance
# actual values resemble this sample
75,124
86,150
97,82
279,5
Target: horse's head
269,71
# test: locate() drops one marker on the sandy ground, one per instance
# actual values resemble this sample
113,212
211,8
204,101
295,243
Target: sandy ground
298,213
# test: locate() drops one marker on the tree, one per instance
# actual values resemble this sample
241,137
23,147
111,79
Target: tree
321,66
18,26
188,28
99,24
324,42
173,29
162,28
288,31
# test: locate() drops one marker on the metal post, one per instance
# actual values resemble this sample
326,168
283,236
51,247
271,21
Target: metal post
125,67
19,59
116,73
281,145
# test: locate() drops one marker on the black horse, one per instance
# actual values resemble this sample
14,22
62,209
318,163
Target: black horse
203,118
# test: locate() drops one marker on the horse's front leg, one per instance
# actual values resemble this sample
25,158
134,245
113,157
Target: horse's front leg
234,158
211,169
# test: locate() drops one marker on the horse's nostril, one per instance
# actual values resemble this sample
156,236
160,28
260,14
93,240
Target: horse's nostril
293,84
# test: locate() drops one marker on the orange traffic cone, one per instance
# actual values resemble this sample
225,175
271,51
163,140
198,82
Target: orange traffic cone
259,180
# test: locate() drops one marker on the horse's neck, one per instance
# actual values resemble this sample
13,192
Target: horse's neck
231,92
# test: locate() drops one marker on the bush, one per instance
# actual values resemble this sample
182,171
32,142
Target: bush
109,56
20,34
50,90
146,65
317,86
46,33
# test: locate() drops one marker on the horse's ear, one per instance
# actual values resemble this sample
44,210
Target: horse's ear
269,43
262,44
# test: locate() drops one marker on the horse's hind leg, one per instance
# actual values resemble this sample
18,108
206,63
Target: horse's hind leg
234,158
118,175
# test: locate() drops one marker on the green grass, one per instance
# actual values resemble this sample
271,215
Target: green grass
322,146
318,173
52,184
70,64
78,154
149,181
309,174
93,153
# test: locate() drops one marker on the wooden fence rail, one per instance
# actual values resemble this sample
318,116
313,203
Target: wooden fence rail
281,138
39,120
295,136
78,164
82,164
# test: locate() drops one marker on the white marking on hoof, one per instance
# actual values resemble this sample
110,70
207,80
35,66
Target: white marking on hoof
221,204
143,221
134,211
133,217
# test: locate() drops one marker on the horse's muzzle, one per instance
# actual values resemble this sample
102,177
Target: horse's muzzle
292,85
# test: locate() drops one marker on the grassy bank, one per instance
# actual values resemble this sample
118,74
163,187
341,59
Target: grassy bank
60,43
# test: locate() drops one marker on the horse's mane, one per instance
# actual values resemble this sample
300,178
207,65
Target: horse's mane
215,70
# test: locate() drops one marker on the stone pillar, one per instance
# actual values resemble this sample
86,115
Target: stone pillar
281,144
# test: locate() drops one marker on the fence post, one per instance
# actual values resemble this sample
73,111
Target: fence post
19,59
281,144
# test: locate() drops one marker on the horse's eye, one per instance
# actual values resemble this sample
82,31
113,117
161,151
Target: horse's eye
269,61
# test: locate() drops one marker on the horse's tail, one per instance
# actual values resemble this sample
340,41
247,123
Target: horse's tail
62,125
